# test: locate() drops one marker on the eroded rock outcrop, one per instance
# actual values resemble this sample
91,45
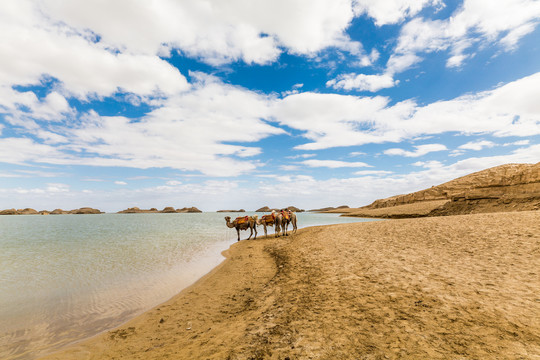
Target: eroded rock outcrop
85,211
29,211
167,210
192,209
510,187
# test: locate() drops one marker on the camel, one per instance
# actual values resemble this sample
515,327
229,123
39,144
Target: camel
281,224
285,218
267,220
292,220
243,223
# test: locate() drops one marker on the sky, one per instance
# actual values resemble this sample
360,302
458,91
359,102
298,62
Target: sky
243,104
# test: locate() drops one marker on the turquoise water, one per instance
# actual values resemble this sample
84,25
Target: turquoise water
67,277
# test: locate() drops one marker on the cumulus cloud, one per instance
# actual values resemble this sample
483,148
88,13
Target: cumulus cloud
213,30
421,150
331,120
83,66
362,82
334,164
477,145
392,11
191,131
476,22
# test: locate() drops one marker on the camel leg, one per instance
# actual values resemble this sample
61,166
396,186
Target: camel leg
255,229
265,233
250,233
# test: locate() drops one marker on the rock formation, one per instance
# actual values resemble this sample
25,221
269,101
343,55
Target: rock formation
192,209
85,211
8,212
59,212
28,211
167,210
342,207
510,187
239,211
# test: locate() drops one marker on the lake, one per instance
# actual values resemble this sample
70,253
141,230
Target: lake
67,277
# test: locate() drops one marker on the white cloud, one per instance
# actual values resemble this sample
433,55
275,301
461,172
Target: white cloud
191,131
421,150
477,145
331,120
362,82
333,164
373,172
432,164
83,66
392,11
357,153
57,188
174,182
289,167
518,143
120,182
301,156
476,22
213,30
401,62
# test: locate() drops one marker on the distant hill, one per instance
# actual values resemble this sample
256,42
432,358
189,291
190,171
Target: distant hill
330,208
510,187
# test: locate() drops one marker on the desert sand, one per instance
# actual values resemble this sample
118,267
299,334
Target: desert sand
455,287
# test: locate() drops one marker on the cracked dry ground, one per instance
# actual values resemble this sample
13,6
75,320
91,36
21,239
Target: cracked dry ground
457,287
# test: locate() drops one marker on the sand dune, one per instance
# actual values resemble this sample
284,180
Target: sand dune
455,287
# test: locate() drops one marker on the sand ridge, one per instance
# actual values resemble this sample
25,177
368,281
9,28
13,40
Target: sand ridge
456,287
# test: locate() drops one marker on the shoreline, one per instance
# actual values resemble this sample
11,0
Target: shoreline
449,287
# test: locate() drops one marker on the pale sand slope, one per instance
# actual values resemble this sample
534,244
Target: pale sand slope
457,287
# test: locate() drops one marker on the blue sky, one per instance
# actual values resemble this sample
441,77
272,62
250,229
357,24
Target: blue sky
242,104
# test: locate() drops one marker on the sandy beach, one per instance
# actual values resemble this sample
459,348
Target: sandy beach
456,287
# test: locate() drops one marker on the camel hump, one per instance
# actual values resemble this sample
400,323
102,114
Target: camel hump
242,219
268,218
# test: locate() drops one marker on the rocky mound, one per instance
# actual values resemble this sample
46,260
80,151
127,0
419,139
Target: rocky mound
85,210
239,211
267,209
28,211
510,187
166,210
192,209
330,208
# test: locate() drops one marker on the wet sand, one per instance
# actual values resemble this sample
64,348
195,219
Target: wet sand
456,287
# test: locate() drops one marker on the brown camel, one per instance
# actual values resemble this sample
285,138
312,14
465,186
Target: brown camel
292,220
281,224
267,220
286,217
243,223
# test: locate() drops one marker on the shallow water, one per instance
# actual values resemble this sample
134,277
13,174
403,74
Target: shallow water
67,277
